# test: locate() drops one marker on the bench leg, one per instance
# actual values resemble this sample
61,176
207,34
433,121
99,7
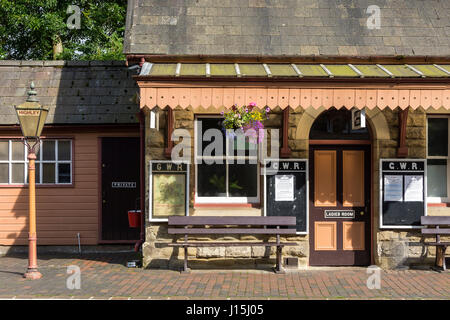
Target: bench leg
440,257
185,266
279,268
444,267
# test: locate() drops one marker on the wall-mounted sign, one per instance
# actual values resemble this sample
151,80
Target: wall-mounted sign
358,119
124,185
154,119
286,190
402,192
284,187
168,190
393,188
339,214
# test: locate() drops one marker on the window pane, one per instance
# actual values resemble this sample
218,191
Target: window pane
63,150
437,136
48,173
4,173
4,150
64,173
243,180
18,150
242,145
18,173
48,151
211,180
437,178
206,124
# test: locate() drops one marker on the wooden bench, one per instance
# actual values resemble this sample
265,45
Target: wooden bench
276,226
437,223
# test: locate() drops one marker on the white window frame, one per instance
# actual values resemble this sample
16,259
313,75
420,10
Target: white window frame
227,199
440,199
39,162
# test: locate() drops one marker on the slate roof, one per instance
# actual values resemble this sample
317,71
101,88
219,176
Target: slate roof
287,27
77,92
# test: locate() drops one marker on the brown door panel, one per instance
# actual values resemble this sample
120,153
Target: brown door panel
352,187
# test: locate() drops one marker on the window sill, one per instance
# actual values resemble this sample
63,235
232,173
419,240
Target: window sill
227,211
227,205
441,204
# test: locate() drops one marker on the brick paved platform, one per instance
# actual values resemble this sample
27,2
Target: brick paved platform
105,276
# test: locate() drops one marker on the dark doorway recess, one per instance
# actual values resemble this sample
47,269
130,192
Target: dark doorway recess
120,187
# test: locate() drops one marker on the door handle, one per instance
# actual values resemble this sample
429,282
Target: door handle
361,213
104,201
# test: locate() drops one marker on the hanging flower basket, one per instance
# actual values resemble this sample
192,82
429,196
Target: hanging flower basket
248,119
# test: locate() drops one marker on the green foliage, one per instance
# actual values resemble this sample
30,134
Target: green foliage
29,29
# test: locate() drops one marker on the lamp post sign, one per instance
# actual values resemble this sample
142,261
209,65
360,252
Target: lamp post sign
31,116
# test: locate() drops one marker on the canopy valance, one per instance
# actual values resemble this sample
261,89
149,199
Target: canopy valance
220,97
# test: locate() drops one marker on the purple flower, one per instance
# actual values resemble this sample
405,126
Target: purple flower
267,109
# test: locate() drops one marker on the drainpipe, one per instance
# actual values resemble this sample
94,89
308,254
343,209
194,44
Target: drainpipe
142,178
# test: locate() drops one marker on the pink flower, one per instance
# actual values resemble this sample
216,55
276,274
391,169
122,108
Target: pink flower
252,104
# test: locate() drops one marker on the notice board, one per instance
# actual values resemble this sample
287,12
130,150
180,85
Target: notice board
168,189
286,190
403,192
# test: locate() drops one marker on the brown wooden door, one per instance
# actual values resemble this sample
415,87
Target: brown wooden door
339,205
120,187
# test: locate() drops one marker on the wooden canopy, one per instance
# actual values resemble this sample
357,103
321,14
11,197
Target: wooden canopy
218,86
207,97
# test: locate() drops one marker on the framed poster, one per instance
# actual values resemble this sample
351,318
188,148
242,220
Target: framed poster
402,193
286,190
284,187
168,189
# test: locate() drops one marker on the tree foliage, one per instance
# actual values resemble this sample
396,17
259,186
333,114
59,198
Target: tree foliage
29,29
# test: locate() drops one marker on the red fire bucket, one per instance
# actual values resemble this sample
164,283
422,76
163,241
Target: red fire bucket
134,218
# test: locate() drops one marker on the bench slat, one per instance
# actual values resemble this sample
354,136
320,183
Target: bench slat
442,244
435,220
246,231
230,244
227,220
435,231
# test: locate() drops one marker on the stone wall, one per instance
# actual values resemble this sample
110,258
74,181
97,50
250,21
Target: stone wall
393,248
400,248
156,251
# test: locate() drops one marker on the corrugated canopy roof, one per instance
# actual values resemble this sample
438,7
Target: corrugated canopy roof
263,70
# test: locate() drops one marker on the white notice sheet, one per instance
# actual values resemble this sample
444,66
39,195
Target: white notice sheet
393,188
413,188
284,188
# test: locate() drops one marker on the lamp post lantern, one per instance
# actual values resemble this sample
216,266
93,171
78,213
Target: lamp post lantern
31,117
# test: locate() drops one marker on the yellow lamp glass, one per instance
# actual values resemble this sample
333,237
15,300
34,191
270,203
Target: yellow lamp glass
32,118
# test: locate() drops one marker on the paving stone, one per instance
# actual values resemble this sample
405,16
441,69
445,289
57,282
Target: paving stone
105,276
